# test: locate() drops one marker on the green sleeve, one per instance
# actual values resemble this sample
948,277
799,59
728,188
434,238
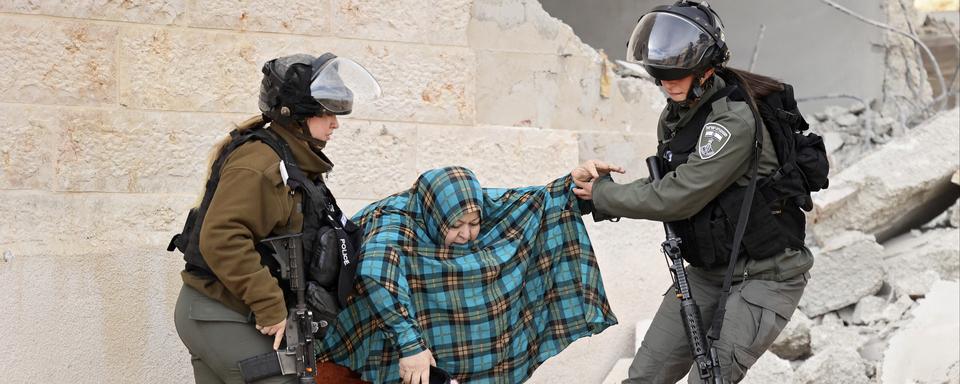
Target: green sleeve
684,192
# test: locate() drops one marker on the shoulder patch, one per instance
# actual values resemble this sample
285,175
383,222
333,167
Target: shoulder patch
713,138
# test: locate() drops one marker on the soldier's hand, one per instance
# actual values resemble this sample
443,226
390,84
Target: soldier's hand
587,173
592,169
276,330
583,190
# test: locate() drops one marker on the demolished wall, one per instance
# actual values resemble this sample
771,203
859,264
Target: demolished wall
112,107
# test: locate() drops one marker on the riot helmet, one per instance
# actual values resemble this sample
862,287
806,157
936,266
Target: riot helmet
674,41
299,86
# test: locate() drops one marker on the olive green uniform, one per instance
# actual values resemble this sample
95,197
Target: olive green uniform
765,292
215,317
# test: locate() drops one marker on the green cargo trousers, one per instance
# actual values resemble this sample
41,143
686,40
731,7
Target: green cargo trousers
757,310
217,337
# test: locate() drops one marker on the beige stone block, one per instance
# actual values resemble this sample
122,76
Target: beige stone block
372,159
500,156
161,70
136,151
191,70
180,70
521,26
300,17
626,150
27,153
148,12
441,22
518,89
76,223
429,84
558,92
57,62
90,306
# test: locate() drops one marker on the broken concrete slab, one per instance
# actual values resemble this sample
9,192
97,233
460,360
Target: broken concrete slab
869,310
846,314
876,309
884,195
823,337
770,369
847,120
794,340
927,349
847,269
913,261
895,310
838,364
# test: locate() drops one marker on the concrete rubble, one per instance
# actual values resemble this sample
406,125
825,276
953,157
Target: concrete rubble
837,364
794,341
770,369
881,194
924,350
915,260
883,311
846,270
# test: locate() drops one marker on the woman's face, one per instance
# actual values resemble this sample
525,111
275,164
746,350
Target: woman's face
465,229
677,89
321,127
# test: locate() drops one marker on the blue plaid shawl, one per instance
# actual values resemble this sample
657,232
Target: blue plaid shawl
491,311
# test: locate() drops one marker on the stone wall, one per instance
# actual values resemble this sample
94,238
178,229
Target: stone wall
108,109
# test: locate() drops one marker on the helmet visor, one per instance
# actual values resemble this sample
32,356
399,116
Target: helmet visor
668,41
340,82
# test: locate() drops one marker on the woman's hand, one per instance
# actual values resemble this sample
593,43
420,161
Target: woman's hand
416,369
276,330
585,174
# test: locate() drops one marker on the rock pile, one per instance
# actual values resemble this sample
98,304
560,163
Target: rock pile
851,132
887,311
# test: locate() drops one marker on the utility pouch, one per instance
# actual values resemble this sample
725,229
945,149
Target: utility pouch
324,306
812,161
180,240
325,260
714,234
764,236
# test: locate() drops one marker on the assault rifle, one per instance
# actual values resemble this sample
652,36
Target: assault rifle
704,355
298,355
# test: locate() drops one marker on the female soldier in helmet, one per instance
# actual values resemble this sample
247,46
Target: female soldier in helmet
708,135
232,306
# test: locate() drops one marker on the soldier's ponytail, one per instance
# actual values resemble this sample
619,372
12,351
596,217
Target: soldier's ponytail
756,86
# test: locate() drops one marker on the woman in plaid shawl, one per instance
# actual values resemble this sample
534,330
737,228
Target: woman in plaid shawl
485,283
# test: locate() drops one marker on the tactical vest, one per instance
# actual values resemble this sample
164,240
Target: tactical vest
329,241
775,220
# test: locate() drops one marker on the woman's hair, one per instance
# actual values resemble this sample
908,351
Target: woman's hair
756,86
254,122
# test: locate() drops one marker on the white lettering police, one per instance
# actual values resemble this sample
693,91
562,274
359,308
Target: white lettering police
343,252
